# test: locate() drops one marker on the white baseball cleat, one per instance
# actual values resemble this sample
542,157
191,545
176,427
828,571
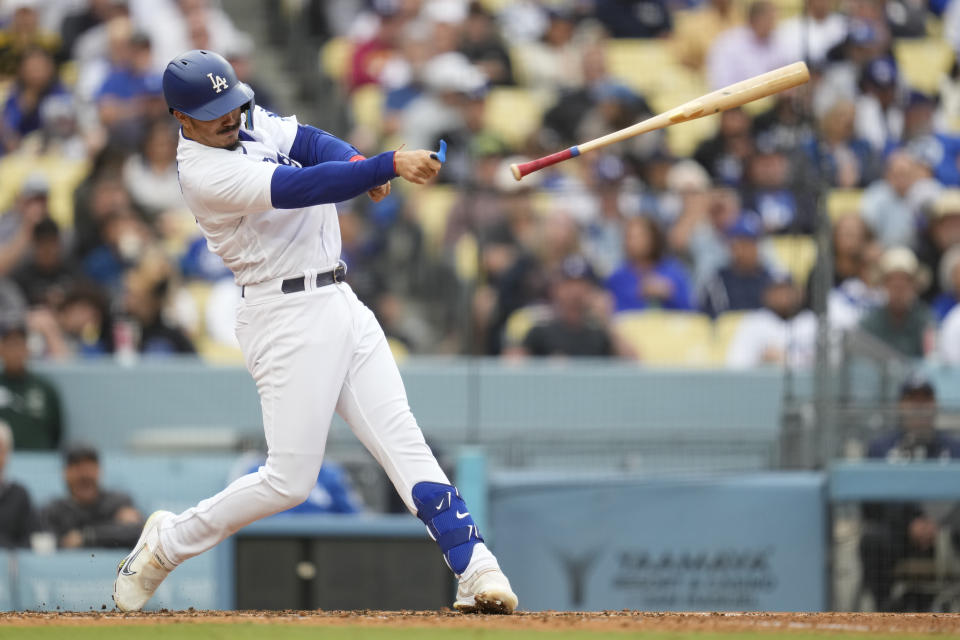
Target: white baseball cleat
486,592
141,572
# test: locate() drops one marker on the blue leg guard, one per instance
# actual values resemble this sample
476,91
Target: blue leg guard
441,508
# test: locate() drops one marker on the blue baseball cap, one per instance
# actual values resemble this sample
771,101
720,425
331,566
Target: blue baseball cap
746,226
881,72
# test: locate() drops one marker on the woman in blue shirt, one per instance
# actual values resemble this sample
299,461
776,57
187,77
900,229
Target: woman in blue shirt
648,278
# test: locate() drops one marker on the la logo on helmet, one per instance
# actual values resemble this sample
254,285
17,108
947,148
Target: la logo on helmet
219,82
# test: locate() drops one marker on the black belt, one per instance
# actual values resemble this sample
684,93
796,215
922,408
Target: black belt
296,285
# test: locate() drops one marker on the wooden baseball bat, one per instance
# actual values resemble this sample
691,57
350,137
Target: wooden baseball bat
736,94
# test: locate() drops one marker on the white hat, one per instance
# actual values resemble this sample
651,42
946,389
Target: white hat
453,72
903,260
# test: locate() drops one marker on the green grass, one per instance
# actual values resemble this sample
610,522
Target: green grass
278,631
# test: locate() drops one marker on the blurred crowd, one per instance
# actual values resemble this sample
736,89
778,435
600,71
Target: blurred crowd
99,256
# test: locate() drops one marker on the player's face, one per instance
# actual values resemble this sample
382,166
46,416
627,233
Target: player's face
222,132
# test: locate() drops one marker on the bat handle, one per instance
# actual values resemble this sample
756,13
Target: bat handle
524,168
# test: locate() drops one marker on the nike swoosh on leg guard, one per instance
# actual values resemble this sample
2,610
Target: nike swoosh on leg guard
448,521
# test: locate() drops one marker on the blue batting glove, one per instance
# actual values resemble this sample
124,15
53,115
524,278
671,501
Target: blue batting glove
441,155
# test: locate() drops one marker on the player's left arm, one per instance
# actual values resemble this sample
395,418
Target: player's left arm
313,146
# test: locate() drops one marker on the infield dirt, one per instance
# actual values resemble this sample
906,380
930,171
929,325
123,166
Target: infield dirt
866,623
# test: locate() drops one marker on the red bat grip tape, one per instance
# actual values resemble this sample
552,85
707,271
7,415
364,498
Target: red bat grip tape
546,161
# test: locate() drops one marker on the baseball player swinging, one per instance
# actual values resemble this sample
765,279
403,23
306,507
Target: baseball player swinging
262,190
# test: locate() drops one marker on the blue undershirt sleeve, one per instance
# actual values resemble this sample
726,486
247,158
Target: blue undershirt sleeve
311,146
328,182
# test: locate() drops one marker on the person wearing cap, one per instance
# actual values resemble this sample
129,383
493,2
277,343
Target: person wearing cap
904,322
893,532
879,112
89,515
781,333
922,136
571,331
811,35
770,190
738,286
29,403
894,206
18,519
648,277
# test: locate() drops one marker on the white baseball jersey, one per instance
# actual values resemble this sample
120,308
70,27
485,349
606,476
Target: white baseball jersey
228,192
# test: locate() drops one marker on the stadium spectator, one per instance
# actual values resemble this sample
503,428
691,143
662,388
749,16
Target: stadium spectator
554,63
772,188
782,333
89,515
572,331
904,322
85,323
939,150
130,94
46,275
21,34
743,52
811,35
370,56
942,233
879,111
844,160
148,288
150,176
643,19
696,29
949,276
240,57
855,255
740,285
17,516
649,278
894,206
36,84
724,156
29,403
896,532
482,45
17,225
123,239
87,16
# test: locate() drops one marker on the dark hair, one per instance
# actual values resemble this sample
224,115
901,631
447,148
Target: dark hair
80,453
46,229
658,243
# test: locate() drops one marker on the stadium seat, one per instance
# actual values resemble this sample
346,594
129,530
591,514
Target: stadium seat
668,338
62,174
432,207
513,114
923,61
684,138
199,291
366,105
466,255
843,201
398,349
520,322
724,328
335,57
214,352
796,254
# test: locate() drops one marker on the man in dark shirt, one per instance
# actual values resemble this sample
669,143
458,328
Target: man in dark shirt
28,403
740,285
898,531
91,516
17,517
571,331
46,276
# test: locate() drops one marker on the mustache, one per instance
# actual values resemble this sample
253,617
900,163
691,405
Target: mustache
230,129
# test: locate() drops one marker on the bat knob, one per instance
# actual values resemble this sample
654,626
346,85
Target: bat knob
515,168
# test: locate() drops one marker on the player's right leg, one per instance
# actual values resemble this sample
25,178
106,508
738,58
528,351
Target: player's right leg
374,403
296,347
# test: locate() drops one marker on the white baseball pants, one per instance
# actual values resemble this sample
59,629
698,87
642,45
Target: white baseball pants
310,353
